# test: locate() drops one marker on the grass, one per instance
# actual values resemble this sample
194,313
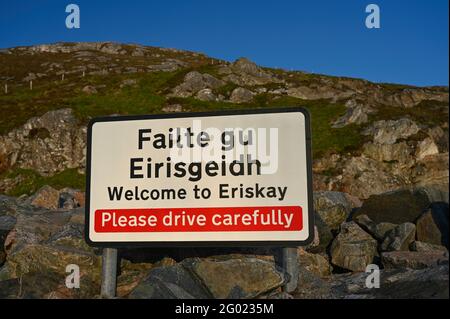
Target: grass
148,96
32,180
427,112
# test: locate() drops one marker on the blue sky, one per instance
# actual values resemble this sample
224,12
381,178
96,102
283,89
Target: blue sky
323,36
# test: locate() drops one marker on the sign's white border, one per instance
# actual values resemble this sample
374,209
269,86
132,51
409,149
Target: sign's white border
204,243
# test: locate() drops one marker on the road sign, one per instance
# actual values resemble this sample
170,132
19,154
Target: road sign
221,178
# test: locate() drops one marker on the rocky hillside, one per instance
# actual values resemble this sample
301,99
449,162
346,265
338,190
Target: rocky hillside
367,138
380,175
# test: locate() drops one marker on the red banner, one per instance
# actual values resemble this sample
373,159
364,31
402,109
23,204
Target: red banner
210,219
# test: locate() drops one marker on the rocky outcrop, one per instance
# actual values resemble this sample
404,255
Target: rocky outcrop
353,248
48,144
399,238
413,259
396,207
433,225
332,207
241,95
194,82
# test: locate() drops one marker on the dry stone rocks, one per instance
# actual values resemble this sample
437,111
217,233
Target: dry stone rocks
245,277
399,238
420,246
396,207
174,282
89,89
378,231
332,207
413,259
353,248
46,197
194,82
388,132
206,95
241,95
314,263
173,108
354,115
47,144
433,225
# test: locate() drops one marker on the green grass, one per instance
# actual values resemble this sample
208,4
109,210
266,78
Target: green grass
427,112
32,181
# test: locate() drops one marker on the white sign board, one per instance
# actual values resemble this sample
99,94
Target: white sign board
229,178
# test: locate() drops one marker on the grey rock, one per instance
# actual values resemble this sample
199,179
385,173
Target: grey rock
45,197
413,259
7,223
404,205
89,89
388,132
433,225
206,95
174,282
378,231
420,246
353,248
195,81
354,115
244,277
241,95
48,144
401,283
173,108
398,152
325,235
399,238
333,208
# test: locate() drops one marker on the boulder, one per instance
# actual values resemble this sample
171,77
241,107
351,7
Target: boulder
363,177
206,95
46,197
245,277
354,115
314,263
173,108
89,89
426,148
398,152
378,231
173,282
420,246
324,238
395,207
71,198
388,132
353,248
403,283
332,207
433,225
399,238
241,95
244,65
413,259
47,144
195,81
